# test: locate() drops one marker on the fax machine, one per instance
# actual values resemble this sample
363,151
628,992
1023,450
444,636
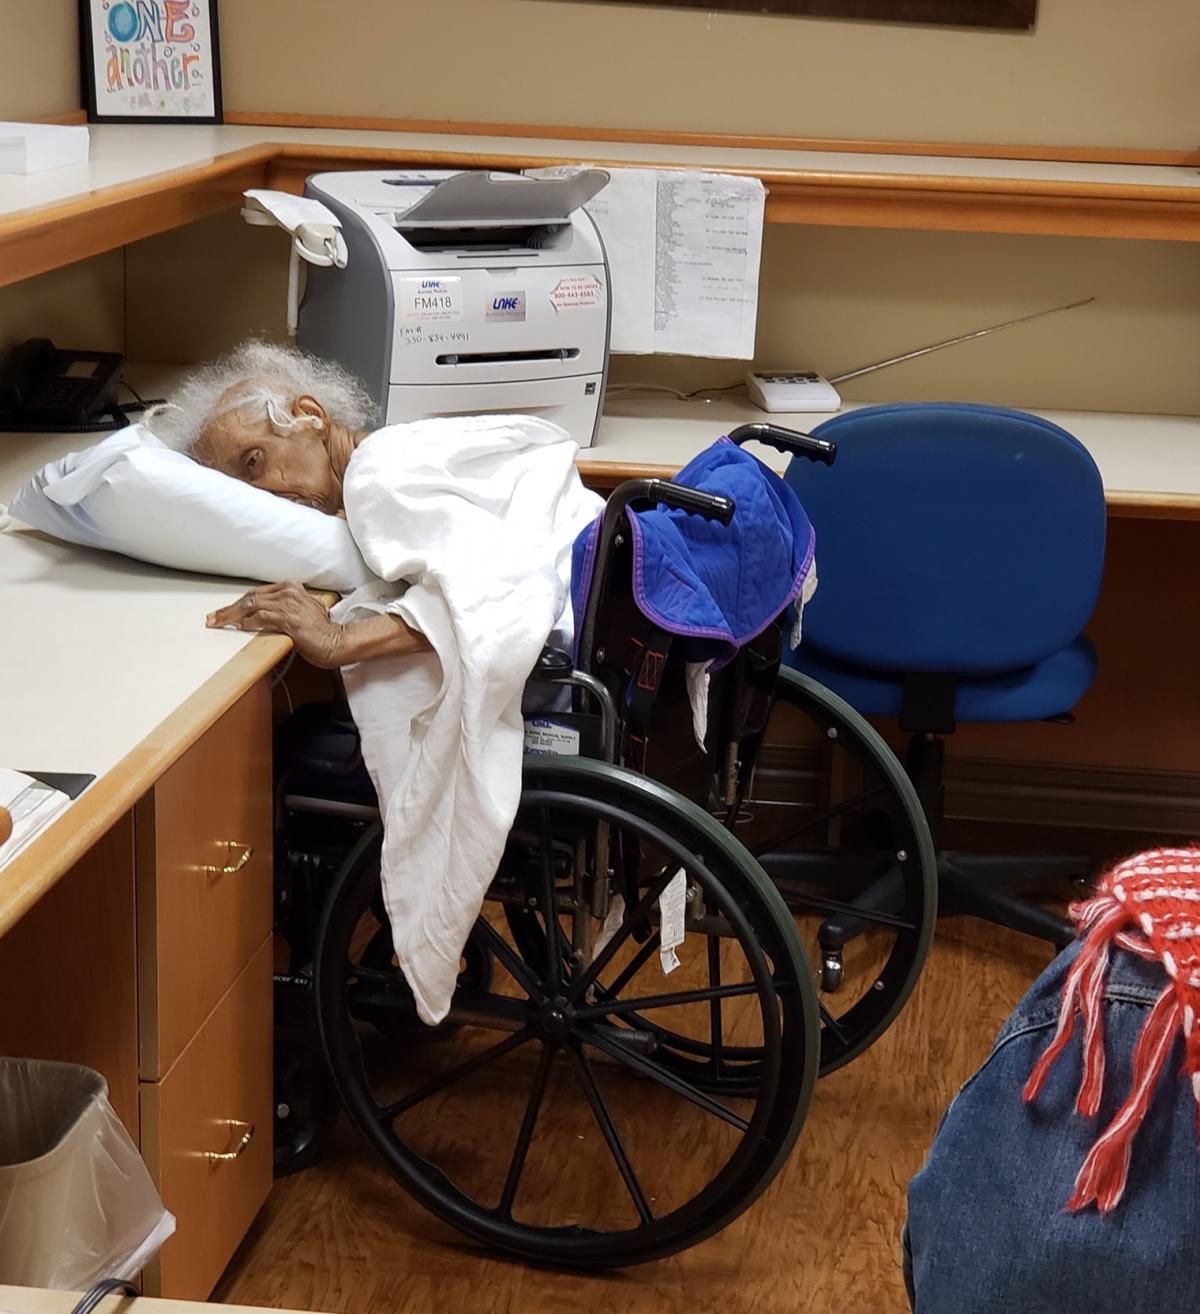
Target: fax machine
465,293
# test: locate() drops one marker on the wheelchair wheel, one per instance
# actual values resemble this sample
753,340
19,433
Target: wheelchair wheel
854,860
551,1126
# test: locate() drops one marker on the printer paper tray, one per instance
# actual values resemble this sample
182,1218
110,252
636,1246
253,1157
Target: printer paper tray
480,200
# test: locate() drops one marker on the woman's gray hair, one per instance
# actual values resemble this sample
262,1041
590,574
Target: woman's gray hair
275,376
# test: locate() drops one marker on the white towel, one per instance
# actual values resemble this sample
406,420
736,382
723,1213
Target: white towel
471,522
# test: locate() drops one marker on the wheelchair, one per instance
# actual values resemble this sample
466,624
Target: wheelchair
635,1008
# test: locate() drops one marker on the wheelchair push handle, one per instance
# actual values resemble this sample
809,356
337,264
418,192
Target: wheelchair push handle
786,440
709,505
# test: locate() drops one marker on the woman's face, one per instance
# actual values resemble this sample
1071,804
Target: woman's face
292,463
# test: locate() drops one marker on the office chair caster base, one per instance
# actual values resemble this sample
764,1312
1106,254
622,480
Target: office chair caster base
833,972
304,1099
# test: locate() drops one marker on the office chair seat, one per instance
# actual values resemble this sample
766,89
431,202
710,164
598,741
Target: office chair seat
1050,688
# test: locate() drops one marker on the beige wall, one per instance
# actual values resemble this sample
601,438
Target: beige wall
831,298
39,51
1093,72
81,305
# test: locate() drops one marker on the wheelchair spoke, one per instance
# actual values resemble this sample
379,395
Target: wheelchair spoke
663,1077
550,907
714,1007
384,976
603,1115
786,836
832,1023
517,1165
646,1002
630,970
818,903
444,1079
511,960
606,955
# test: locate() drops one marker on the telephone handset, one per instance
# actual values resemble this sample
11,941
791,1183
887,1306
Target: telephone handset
42,386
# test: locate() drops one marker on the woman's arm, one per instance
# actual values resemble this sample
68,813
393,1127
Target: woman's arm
290,609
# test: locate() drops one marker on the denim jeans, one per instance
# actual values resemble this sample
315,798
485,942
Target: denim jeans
987,1230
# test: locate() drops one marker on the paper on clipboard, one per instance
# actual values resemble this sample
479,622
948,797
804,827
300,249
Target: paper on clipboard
684,249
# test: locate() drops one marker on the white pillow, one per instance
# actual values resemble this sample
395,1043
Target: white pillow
131,494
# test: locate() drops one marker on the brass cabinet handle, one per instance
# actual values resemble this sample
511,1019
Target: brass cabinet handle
227,1156
230,867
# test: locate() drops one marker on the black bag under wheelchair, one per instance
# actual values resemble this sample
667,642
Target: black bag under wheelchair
636,1030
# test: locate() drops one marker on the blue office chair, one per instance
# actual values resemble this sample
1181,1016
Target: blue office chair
960,550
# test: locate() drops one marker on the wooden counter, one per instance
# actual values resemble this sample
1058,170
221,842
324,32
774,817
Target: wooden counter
146,179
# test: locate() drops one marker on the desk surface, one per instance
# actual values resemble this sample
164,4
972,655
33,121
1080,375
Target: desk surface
106,667
143,179
1150,464
36,1300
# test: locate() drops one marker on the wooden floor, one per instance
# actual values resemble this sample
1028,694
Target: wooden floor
343,1237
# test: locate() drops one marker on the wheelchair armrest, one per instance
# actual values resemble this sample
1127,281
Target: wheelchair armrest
552,664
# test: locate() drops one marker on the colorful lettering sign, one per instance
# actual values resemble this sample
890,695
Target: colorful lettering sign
152,60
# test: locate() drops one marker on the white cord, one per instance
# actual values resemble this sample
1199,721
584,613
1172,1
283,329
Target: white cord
293,293
279,678
674,392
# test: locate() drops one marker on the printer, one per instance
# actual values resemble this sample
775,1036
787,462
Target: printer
465,293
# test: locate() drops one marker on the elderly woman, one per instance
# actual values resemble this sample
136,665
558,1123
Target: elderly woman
290,424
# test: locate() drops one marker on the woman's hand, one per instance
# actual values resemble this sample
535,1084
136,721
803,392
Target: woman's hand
289,609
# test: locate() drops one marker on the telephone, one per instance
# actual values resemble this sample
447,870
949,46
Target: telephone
43,387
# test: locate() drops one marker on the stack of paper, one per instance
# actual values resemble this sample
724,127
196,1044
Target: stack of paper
33,806
32,147
684,248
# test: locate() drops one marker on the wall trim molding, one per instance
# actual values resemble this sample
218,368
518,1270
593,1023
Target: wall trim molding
721,140
68,117
1019,793
1090,797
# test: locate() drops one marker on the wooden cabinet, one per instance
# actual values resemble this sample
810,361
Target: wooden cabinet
67,984
204,878
206,1135
204,989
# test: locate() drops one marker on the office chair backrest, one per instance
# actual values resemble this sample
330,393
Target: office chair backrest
951,538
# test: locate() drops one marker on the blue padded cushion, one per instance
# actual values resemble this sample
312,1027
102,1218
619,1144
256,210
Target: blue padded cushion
951,538
1050,688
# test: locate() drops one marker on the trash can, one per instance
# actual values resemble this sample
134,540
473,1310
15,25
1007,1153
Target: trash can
76,1201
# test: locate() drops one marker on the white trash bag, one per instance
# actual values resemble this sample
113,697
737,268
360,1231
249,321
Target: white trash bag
76,1201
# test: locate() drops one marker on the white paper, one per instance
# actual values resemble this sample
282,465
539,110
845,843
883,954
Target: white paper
625,212
709,244
683,253
33,147
32,806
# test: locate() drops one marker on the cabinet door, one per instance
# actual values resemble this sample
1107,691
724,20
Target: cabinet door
67,981
204,877
206,1136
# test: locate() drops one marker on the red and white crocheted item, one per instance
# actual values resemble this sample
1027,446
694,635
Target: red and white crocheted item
1150,906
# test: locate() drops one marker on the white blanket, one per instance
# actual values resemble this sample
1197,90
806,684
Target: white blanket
470,521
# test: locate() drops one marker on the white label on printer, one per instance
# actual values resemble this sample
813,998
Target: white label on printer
577,290
542,736
430,300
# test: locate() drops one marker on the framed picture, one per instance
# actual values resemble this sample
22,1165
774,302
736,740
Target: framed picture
150,61
1010,14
